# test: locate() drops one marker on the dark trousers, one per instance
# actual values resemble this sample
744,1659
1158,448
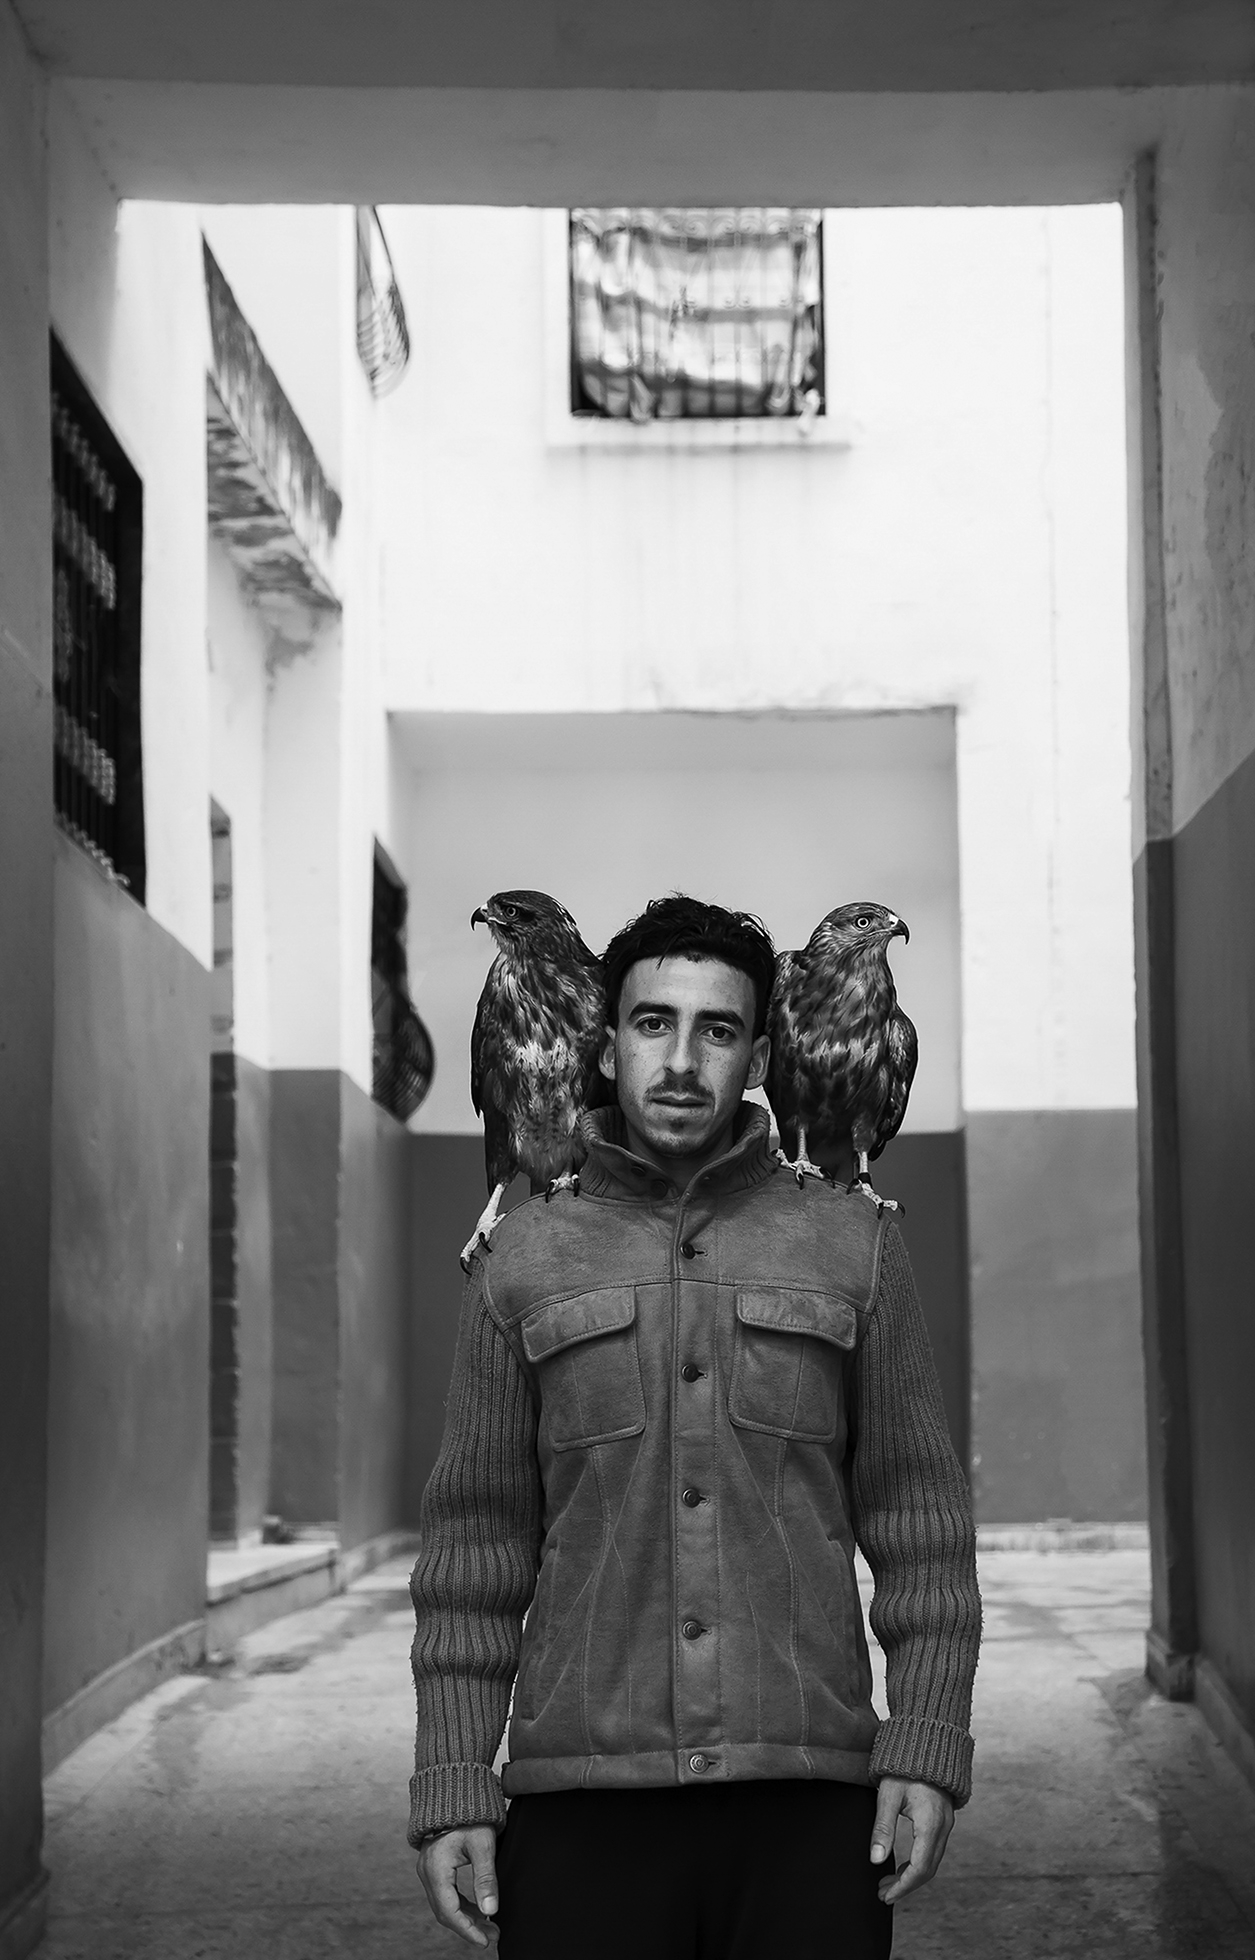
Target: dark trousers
737,1871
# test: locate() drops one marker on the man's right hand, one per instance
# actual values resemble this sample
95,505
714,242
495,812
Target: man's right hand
439,1862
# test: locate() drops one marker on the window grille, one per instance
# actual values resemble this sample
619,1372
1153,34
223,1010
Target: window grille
97,525
383,336
697,314
404,1060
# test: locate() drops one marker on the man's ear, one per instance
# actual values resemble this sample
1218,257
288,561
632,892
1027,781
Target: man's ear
606,1059
760,1055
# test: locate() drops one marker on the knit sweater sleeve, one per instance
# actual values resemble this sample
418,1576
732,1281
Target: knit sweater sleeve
913,1520
479,1536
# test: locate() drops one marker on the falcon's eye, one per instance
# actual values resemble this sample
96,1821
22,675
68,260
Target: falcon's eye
863,922
510,911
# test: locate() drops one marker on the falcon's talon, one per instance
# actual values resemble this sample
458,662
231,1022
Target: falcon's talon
863,1184
470,1249
569,1181
803,1168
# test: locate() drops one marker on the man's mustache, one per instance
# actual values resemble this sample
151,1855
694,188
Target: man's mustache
681,1092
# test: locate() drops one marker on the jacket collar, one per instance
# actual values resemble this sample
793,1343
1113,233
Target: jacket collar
611,1170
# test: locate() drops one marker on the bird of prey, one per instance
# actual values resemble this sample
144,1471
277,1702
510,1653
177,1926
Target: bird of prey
538,1031
843,1053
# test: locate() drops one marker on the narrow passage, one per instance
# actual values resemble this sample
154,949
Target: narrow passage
259,1809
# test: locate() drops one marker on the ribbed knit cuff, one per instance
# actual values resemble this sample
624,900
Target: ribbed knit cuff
924,1752
454,1793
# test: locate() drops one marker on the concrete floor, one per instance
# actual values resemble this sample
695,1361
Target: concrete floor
260,1809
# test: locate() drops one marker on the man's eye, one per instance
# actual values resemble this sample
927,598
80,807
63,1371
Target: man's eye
652,1024
723,1034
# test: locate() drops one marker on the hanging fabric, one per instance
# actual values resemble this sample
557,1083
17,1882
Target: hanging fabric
678,313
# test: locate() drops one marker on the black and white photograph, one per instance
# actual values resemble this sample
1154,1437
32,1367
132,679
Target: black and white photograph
627,980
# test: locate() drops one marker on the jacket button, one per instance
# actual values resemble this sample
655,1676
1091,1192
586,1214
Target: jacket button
691,1372
660,1187
699,1764
692,1629
692,1498
689,1250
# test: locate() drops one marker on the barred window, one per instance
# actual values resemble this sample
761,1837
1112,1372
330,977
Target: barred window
97,553
697,314
404,1060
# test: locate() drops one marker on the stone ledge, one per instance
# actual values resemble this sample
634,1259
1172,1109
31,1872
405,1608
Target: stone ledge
105,1697
248,1588
1057,1535
244,1590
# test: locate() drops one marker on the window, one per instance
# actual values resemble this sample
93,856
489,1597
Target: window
404,1061
697,315
383,335
97,541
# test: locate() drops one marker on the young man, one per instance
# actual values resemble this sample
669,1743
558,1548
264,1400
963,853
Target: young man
680,1399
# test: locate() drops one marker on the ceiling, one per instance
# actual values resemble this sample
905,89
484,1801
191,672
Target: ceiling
878,45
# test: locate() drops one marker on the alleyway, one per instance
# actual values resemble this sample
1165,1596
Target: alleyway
260,1810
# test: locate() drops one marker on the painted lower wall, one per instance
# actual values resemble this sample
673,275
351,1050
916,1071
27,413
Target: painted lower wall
1058,1413
304,1204
1214,859
26,970
927,1174
375,1308
128,1447
446,1195
339,1196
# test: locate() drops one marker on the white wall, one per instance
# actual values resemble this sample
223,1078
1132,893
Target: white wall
238,688
127,301
293,273
778,814
969,549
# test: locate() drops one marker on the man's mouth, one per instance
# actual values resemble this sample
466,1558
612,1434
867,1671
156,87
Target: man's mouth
680,1102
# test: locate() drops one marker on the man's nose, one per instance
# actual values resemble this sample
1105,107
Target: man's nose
681,1055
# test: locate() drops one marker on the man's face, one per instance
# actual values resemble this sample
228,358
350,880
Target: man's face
683,1054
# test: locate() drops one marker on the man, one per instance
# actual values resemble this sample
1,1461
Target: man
680,1398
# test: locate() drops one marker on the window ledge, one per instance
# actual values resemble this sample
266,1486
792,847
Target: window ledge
567,431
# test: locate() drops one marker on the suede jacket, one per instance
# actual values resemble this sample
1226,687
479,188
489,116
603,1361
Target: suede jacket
673,1417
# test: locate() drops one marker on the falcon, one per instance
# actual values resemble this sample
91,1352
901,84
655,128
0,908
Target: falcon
538,1031
843,1053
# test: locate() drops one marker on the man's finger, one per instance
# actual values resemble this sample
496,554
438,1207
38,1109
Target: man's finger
438,1867
484,1866
888,1806
931,1818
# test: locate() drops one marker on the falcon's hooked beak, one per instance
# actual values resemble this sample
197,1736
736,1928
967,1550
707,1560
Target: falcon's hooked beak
479,918
901,930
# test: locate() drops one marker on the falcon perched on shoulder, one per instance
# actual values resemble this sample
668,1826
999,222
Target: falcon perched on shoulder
843,1053
538,1032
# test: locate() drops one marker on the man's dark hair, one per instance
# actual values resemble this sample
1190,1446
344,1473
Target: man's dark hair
686,928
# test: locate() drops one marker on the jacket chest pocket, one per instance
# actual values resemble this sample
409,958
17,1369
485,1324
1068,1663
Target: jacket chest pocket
788,1363
584,1353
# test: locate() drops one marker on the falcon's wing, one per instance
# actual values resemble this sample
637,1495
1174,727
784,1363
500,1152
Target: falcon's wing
488,1090
902,1056
481,1045
781,1084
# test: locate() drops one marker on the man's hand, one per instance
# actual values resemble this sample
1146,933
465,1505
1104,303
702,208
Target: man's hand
439,1862
931,1815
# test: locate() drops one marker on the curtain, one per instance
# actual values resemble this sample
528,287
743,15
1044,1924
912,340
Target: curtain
696,313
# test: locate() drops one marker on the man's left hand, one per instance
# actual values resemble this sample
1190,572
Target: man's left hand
931,1815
